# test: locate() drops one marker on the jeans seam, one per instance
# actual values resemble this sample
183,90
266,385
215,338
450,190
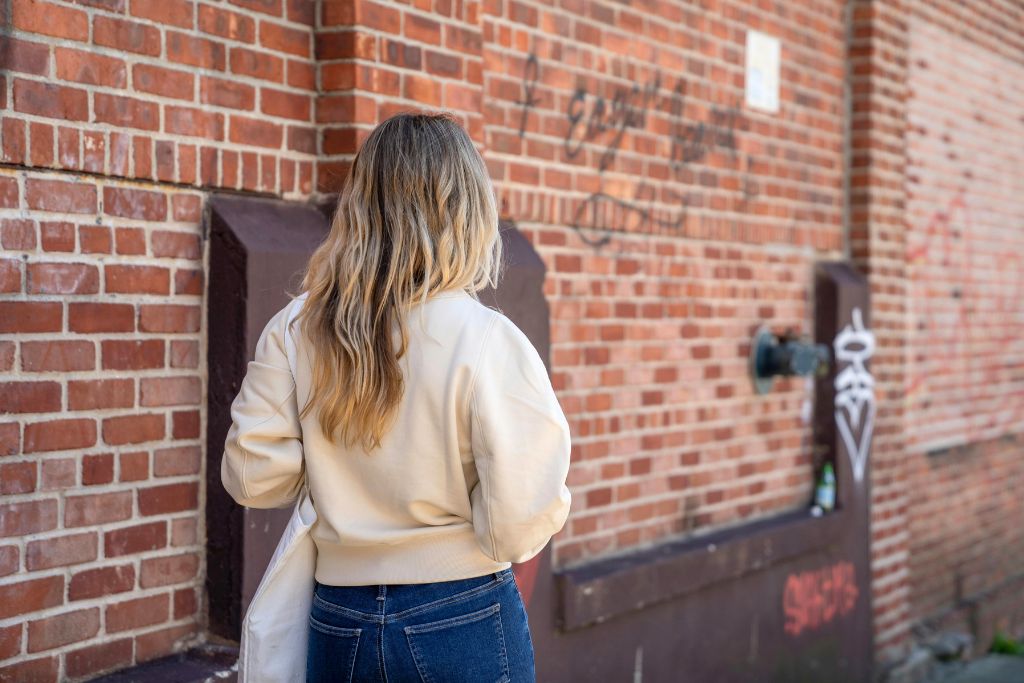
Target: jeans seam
451,599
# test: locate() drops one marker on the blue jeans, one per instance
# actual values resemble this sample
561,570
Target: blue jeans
469,630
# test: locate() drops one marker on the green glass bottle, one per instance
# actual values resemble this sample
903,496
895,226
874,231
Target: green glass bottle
825,494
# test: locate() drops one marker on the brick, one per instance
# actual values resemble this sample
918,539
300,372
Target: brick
58,474
256,64
137,279
61,629
10,438
137,613
130,241
423,30
286,105
88,318
171,462
28,517
95,659
30,397
188,281
441,64
196,122
101,394
13,133
422,89
18,234
168,12
159,500
157,80
132,354
17,477
400,54
170,391
199,52
255,132
132,203
97,469
59,196
31,316
130,36
99,508
165,160
89,68
49,19
185,603
26,56
10,638
9,561
62,278
227,24
167,571
134,466
30,596
60,435
126,112
41,147
7,355
379,17
135,539
58,356
61,551
271,7
185,424
184,532
284,39
172,244
169,318
118,431
94,239
94,583
120,153
10,275
38,670
187,208
94,144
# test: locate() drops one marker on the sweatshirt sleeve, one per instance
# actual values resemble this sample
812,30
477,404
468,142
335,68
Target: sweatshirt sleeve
521,444
262,465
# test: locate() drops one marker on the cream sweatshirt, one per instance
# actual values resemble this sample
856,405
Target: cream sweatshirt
470,478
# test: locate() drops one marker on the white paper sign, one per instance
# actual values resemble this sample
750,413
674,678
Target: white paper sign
763,54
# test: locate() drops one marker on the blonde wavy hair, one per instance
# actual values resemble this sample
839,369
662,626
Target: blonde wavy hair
416,216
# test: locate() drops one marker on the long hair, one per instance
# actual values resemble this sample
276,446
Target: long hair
416,216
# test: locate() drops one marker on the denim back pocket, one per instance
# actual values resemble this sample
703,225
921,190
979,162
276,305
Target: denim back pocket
331,653
468,648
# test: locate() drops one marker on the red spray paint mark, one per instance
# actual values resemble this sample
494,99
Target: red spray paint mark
813,599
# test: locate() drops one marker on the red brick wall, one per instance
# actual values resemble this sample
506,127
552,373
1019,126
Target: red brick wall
102,402
117,117
672,218
965,266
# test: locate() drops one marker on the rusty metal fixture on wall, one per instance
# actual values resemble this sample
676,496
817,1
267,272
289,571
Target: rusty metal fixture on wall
772,356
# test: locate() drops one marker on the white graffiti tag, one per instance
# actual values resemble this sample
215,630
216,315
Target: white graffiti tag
855,391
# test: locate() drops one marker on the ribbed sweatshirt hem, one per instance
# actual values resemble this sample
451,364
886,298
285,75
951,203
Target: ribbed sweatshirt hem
441,559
